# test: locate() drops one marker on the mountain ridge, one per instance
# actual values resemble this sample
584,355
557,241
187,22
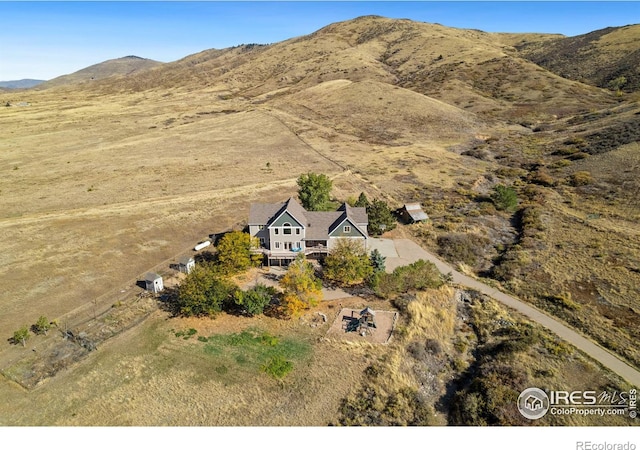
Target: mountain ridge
124,66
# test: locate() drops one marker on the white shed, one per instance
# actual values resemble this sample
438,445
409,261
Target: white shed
153,282
186,264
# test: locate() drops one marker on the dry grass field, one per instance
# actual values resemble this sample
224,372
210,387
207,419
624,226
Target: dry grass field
103,181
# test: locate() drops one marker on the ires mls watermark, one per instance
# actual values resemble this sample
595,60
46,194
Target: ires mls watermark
534,403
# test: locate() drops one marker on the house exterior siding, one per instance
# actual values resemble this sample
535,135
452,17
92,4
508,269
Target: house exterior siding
285,229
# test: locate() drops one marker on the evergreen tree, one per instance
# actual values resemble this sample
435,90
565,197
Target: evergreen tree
378,261
363,201
380,218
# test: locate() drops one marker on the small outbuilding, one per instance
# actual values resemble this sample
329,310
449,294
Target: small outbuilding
413,213
153,282
368,318
186,264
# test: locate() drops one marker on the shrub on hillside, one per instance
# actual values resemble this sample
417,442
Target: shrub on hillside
505,198
462,247
581,178
414,277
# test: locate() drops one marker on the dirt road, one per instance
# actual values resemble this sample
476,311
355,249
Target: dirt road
408,251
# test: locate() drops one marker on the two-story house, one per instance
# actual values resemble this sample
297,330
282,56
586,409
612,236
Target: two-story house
285,229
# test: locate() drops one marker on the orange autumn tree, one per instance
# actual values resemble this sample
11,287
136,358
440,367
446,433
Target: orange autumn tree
302,289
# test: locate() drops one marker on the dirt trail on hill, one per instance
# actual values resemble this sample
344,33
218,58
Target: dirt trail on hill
410,251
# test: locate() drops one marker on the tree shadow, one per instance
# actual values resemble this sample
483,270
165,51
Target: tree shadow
168,301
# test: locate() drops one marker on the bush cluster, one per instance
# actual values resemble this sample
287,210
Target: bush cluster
462,247
414,277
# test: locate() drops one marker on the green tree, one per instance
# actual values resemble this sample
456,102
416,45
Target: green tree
302,289
363,201
416,276
378,261
617,84
203,292
21,336
314,191
347,263
380,218
42,326
505,198
234,252
254,300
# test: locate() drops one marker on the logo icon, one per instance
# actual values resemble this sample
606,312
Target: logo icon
533,403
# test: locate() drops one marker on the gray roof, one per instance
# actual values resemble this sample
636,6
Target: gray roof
415,211
186,260
263,213
357,214
318,224
151,276
367,310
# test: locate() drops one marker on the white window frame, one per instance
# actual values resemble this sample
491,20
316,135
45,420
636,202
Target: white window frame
347,229
276,245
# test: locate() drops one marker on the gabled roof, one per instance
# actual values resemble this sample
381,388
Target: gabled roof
294,209
415,211
367,310
265,213
342,219
318,224
356,213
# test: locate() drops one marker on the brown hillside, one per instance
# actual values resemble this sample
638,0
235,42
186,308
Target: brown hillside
470,69
378,113
596,58
122,66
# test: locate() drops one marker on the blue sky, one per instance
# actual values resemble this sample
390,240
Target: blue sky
43,40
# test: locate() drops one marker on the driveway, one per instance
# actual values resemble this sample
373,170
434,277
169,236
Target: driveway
408,252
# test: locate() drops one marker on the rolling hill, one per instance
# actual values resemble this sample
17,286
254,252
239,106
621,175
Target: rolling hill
20,84
125,66
596,58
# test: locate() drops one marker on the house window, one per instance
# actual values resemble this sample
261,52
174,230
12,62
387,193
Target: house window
260,227
297,230
276,231
286,228
276,245
347,229
261,242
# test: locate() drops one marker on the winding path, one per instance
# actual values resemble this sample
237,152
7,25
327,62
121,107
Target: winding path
408,252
